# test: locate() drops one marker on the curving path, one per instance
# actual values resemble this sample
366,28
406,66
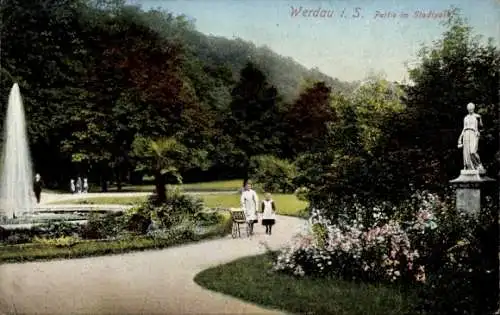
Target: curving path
152,282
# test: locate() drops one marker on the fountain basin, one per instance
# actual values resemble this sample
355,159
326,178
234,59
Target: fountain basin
75,214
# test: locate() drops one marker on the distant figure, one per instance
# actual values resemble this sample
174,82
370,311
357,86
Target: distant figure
250,204
37,187
72,186
79,185
85,185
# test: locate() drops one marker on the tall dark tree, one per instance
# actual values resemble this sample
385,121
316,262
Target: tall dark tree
307,119
254,117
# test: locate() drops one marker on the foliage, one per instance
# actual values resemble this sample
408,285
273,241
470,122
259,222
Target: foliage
182,231
301,193
164,215
160,158
108,72
465,273
106,226
307,119
64,241
208,217
59,229
344,165
457,69
272,173
254,113
428,245
404,137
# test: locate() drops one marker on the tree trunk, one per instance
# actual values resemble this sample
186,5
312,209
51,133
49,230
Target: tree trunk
118,178
135,178
104,177
246,170
104,184
161,193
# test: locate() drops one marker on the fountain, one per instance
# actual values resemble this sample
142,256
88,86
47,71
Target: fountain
16,181
17,200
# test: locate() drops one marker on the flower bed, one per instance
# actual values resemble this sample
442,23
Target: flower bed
422,246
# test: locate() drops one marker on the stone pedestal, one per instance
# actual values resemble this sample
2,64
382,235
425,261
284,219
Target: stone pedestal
468,187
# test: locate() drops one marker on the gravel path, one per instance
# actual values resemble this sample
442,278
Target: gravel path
151,282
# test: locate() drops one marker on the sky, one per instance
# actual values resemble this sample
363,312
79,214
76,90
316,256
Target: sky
350,46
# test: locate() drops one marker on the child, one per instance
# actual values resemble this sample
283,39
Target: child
268,213
85,186
79,185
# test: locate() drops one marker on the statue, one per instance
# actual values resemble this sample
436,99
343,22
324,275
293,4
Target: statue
469,139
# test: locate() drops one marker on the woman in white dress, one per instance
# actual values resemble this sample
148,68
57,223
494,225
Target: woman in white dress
268,213
249,203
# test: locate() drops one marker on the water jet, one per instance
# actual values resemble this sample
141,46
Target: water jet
16,182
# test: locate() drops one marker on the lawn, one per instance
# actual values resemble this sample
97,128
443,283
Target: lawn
247,279
287,204
224,185
117,200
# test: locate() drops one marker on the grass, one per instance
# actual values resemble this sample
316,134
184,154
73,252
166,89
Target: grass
249,280
224,185
125,200
53,248
287,204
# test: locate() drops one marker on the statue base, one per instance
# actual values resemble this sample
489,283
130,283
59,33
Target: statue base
468,188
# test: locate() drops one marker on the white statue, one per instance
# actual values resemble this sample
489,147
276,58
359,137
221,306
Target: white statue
469,139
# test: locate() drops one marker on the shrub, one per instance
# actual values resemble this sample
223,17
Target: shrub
65,241
301,193
138,219
17,238
46,230
103,226
162,215
272,174
463,267
206,218
59,229
447,255
181,232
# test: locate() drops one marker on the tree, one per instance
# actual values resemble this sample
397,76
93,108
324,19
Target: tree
253,121
46,36
345,165
458,69
307,118
160,158
135,82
